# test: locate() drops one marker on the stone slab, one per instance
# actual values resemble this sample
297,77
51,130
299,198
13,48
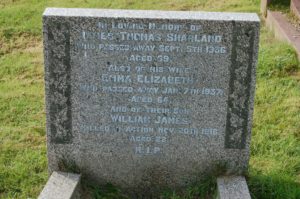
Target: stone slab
149,99
62,185
283,30
151,14
233,187
295,8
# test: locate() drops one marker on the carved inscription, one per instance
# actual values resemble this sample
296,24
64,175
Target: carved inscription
151,82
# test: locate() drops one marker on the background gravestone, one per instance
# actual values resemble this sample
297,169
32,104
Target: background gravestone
148,99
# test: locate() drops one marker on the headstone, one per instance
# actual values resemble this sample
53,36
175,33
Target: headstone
149,99
295,8
264,7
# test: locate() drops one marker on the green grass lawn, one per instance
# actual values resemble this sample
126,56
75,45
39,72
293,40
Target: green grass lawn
275,149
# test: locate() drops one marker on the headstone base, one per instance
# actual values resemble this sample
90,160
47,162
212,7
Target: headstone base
62,185
233,187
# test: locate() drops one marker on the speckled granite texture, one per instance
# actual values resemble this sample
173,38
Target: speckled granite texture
233,187
149,99
62,185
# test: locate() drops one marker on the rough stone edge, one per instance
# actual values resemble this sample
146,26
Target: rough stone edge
151,14
60,142
51,188
232,187
251,62
283,30
295,8
57,76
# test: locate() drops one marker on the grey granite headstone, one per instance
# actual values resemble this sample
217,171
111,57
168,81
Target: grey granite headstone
149,99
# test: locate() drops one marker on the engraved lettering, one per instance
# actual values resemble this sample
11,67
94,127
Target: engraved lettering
130,119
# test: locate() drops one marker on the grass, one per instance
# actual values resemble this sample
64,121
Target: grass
275,149
280,5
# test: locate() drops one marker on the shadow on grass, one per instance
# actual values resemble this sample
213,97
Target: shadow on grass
205,189
261,186
273,186
280,5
